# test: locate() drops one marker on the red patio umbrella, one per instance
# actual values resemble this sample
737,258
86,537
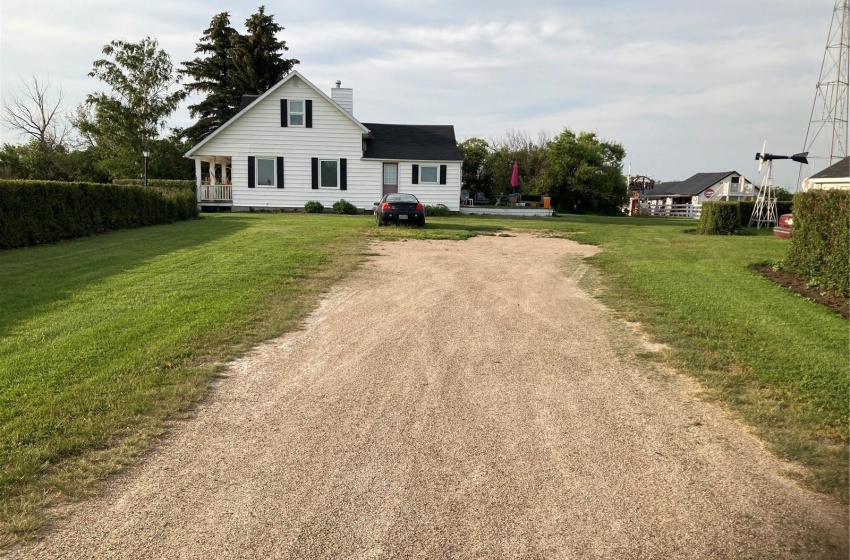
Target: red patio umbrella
515,176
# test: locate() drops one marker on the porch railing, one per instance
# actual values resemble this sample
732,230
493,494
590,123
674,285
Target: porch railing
672,210
216,193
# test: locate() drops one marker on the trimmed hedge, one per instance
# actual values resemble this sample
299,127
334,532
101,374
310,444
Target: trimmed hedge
820,240
182,184
747,206
720,218
37,212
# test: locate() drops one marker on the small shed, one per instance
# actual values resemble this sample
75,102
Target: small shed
836,176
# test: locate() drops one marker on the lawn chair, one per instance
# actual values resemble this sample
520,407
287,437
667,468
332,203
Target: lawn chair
464,198
481,198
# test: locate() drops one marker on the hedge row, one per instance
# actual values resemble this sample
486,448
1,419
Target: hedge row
720,218
820,237
37,212
182,184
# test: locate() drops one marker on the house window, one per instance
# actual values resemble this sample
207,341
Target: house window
428,174
329,173
266,172
296,113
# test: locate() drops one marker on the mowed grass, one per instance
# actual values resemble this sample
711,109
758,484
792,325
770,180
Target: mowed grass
104,339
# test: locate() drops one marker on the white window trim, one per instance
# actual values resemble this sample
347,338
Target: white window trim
337,173
434,182
290,112
257,171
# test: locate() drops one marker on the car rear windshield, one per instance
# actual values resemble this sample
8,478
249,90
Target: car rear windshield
401,198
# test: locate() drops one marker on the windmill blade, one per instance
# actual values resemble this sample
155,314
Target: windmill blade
761,159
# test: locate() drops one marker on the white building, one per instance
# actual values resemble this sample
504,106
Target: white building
294,144
836,176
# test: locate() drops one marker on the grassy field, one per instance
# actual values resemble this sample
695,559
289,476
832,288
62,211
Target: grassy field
104,339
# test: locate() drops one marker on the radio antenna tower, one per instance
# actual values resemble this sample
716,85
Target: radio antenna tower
826,138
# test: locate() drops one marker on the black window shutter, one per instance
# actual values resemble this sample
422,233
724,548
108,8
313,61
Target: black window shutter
251,181
315,166
284,113
442,174
343,174
415,174
280,172
308,120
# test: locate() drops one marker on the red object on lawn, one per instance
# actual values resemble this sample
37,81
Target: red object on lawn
515,176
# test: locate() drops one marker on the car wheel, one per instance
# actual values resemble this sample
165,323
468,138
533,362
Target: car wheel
378,220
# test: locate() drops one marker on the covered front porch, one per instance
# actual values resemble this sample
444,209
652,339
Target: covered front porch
212,179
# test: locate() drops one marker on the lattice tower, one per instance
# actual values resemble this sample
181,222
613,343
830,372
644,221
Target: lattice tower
826,137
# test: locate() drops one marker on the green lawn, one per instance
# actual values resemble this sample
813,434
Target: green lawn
103,339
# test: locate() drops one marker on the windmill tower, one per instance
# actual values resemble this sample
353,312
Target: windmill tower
826,138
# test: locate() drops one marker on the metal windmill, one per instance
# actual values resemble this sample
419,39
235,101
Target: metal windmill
764,212
826,137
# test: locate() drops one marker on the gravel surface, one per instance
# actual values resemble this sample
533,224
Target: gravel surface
455,400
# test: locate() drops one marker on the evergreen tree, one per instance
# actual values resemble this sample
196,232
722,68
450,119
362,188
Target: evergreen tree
215,74
233,65
258,55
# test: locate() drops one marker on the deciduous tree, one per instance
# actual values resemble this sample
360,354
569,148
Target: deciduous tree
125,120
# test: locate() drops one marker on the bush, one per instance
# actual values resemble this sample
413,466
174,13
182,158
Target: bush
820,237
314,207
37,212
438,210
344,207
720,218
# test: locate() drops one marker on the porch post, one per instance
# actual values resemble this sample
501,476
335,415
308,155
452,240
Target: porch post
198,177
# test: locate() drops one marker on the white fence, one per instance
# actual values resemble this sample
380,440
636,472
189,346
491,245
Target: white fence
216,193
672,210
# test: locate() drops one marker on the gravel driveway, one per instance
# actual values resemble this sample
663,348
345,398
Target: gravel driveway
455,400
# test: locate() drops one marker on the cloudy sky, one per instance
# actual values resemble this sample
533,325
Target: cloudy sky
686,86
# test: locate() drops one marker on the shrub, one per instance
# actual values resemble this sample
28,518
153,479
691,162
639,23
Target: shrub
438,210
720,218
344,207
314,207
820,238
37,212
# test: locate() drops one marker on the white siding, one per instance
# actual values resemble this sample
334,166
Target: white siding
333,136
430,194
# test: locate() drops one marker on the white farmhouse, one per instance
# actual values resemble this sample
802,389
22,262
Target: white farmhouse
294,144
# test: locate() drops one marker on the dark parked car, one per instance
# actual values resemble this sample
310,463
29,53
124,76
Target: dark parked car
783,228
400,208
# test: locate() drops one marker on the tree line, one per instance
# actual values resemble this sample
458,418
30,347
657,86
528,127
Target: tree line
581,173
104,138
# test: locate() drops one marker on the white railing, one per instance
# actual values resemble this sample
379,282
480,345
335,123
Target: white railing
216,193
672,210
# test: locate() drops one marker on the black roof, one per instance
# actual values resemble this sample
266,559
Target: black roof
247,100
838,170
689,187
422,142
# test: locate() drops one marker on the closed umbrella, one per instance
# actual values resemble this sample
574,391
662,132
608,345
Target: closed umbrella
515,176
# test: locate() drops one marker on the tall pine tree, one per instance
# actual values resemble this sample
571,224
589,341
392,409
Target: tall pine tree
234,65
259,61
215,75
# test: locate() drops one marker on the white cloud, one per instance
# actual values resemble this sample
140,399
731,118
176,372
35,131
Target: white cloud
686,87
